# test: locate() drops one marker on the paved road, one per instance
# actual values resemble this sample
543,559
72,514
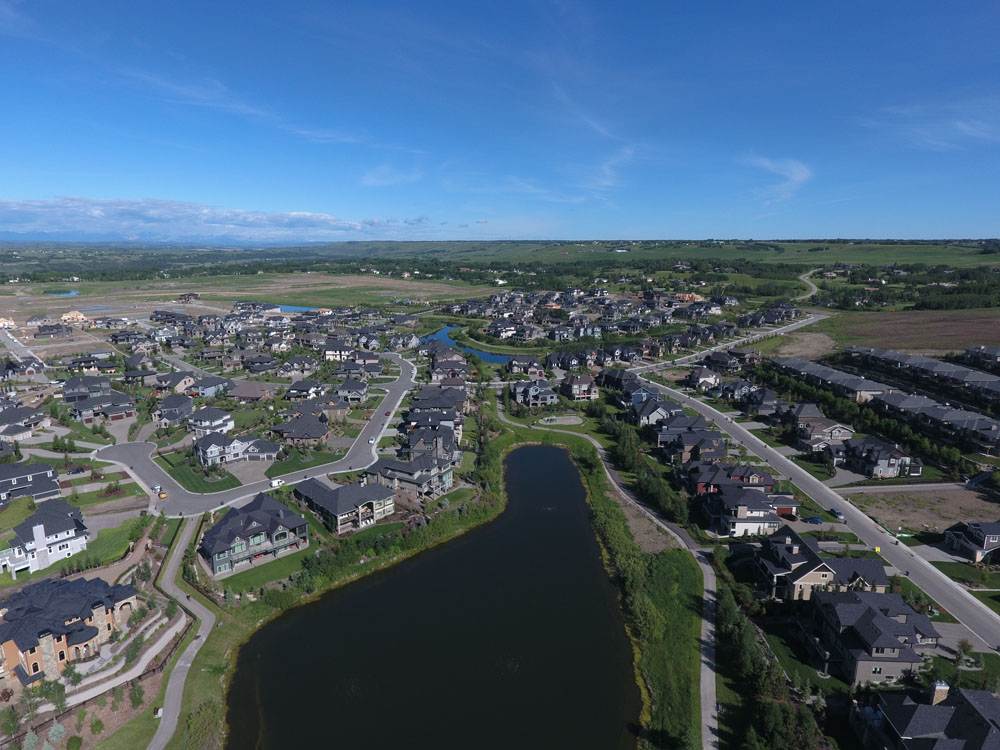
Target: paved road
175,685
975,615
180,502
689,358
812,287
709,713
881,490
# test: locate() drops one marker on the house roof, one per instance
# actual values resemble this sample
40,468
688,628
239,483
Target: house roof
305,427
342,499
263,513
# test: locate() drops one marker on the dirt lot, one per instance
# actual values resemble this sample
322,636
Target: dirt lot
932,511
805,345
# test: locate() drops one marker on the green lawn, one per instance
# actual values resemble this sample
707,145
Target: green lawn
978,679
110,544
378,530
817,470
263,573
782,646
95,497
15,513
832,536
245,418
905,586
296,463
79,431
969,574
765,438
177,466
170,533
468,464
454,498
928,474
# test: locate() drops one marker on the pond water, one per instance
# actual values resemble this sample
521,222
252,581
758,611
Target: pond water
70,293
445,335
509,636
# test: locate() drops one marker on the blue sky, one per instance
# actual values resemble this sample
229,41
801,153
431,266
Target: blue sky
298,121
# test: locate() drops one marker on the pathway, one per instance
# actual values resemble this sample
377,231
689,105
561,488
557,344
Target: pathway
174,694
875,489
812,287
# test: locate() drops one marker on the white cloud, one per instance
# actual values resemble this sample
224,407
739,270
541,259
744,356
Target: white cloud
949,126
154,219
795,174
416,220
386,176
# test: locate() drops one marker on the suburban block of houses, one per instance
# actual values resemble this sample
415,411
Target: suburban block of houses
258,532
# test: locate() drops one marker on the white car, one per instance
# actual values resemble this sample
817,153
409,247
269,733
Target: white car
277,482
371,441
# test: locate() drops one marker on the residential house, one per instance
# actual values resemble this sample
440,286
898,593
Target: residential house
533,393
702,378
977,540
305,389
863,636
210,419
653,411
113,407
53,532
425,476
19,423
216,448
174,410
526,365
352,391
47,625
695,445
39,481
721,362
80,387
174,382
816,434
257,533
741,511
252,392
210,387
306,430
791,568
579,388
877,459
347,508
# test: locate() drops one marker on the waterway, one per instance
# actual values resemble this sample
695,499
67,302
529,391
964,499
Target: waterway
445,335
70,293
509,636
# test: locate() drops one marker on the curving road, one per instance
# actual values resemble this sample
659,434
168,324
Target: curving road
975,615
137,457
812,287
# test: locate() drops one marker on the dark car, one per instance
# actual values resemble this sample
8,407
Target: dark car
77,470
388,413
813,519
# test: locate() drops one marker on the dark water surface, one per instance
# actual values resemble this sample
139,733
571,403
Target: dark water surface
445,335
509,636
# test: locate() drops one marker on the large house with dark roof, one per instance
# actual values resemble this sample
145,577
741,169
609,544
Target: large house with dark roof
48,624
425,476
53,532
40,481
216,448
790,567
258,532
867,637
349,507
976,539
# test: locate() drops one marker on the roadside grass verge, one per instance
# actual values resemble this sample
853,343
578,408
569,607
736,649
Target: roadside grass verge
178,467
96,497
296,462
969,574
818,471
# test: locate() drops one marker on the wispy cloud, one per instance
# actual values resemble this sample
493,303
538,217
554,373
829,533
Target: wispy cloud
385,175
167,220
605,175
948,126
793,172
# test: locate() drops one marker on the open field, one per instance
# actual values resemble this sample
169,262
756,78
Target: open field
934,511
930,331
137,299
797,344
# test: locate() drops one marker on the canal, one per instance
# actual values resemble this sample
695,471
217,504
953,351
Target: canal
507,636
445,335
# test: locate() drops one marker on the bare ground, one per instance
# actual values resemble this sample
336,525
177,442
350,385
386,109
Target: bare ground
931,511
805,345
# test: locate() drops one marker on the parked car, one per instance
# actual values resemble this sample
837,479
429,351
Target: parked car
837,514
813,519
277,482
388,413
371,441
76,470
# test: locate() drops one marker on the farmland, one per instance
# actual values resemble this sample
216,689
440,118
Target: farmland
924,331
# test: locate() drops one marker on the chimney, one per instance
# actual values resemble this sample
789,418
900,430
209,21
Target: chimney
795,549
939,692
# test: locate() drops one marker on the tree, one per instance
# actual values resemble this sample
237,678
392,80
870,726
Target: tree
30,741
9,721
74,743
96,726
136,695
57,732
964,647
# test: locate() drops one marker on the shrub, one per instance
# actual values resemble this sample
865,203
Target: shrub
136,695
57,732
74,743
96,726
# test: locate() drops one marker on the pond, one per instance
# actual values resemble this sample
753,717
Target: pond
445,335
509,636
70,293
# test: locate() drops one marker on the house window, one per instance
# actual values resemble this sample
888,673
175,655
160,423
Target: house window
257,539
222,567
62,656
876,670
878,650
221,555
109,626
824,575
35,668
32,650
239,547
281,536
